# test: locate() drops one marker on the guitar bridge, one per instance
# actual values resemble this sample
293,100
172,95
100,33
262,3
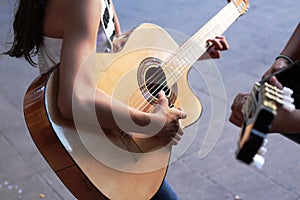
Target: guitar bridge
134,150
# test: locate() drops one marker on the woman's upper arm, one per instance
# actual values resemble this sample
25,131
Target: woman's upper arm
81,23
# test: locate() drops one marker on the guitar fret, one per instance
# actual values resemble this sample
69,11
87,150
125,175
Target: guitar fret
192,49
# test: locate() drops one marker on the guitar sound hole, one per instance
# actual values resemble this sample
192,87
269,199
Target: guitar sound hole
156,81
152,79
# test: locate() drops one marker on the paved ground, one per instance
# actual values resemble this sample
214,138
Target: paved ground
255,39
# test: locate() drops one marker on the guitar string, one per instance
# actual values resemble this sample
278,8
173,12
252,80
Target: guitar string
225,12
178,72
181,69
207,33
208,29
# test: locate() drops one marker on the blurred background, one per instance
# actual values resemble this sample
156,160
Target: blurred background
255,40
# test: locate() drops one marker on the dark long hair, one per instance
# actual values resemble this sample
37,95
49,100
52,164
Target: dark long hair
28,29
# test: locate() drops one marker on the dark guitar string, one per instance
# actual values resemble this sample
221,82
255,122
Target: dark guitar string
209,31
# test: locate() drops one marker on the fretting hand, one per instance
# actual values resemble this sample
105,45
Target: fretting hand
216,45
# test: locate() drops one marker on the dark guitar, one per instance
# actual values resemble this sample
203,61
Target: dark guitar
109,164
260,110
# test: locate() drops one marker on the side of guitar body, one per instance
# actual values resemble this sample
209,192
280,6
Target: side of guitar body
48,143
86,175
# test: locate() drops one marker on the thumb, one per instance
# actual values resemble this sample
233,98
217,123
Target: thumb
162,100
275,82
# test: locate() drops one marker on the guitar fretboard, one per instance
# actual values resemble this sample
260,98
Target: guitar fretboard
192,49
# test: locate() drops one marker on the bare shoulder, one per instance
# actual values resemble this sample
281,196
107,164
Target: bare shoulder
61,13
81,7
53,20
84,13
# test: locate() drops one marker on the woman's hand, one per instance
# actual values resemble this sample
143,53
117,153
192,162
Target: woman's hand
215,47
218,44
172,129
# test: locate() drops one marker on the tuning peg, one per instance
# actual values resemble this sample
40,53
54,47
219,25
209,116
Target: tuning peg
288,99
262,151
289,106
287,91
258,161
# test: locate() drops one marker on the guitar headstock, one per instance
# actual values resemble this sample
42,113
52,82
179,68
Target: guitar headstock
259,112
282,97
242,5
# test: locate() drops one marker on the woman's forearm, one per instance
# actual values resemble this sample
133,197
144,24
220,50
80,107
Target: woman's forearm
115,115
101,109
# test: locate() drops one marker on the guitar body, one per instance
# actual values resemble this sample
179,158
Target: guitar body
114,174
122,74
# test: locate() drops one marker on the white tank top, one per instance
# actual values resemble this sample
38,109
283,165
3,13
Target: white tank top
50,49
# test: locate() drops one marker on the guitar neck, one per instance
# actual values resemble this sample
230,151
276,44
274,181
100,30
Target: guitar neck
215,27
192,49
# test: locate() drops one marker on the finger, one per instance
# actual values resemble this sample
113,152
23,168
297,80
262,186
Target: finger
177,137
235,120
239,101
174,142
211,51
216,54
170,140
180,131
223,41
236,108
237,115
183,113
273,80
179,113
162,100
161,94
215,43
267,73
222,37
220,43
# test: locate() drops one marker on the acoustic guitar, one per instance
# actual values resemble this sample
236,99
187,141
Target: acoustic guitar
97,163
260,110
